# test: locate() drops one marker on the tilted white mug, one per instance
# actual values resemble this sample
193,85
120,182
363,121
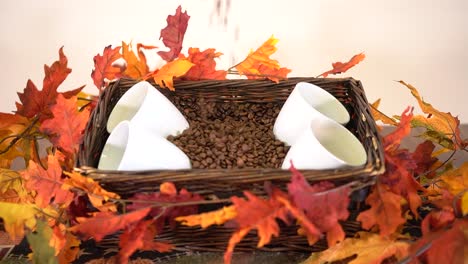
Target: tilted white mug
306,102
145,106
134,148
325,144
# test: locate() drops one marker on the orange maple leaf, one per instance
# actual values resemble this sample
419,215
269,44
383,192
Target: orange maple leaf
385,211
323,203
136,67
35,102
104,66
204,67
205,220
67,125
173,34
96,194
140,236
164,76
377,115
340,67
258,64
106,223
47,183
443,124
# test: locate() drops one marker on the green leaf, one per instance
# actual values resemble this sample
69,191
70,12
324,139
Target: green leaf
43,253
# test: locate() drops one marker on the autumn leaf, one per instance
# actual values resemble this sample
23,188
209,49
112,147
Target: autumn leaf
33,101
379,116
168,194
392,140
42,252
368,248
385,211
443,125
164,76
11,180
456,182
104,67
323,204
67,125
258,64
136,67
255,213
70,250
140,236
47,183
423,158
173,34
96,194
16,217
447,245
217,217
204,67
340,67
106,223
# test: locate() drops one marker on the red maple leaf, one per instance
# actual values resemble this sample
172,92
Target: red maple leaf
323,204
385,211
447,245
173,34
168,194
67,125
204,65
35,102
105,223
47,183
140,236
340,67
104,68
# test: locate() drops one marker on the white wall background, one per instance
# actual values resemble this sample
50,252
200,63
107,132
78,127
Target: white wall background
424,42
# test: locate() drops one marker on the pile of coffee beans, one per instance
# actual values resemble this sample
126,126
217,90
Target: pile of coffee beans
229,134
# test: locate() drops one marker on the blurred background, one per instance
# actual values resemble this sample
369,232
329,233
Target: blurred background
423,42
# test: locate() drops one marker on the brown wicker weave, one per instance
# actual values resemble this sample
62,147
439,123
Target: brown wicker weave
216,184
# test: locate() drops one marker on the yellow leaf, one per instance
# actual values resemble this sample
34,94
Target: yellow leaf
369,248
136,66
455,181
17,216
10,179
258,63
381,116
164,76
205,220
464,203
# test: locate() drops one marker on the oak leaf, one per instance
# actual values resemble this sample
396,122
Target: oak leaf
217,217
47,183
385,210
136,67
16,217
104,67
258,64
323,203
140,236
67,125
106,223
42,252
33,101
173,34
440,125
340,67
168,194
164,76
367,248
96,194
204,67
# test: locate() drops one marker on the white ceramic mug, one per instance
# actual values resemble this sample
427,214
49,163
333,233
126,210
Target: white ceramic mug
306,102
134,148
325,144
145,106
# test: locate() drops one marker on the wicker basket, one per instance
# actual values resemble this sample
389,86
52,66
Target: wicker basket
219,184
